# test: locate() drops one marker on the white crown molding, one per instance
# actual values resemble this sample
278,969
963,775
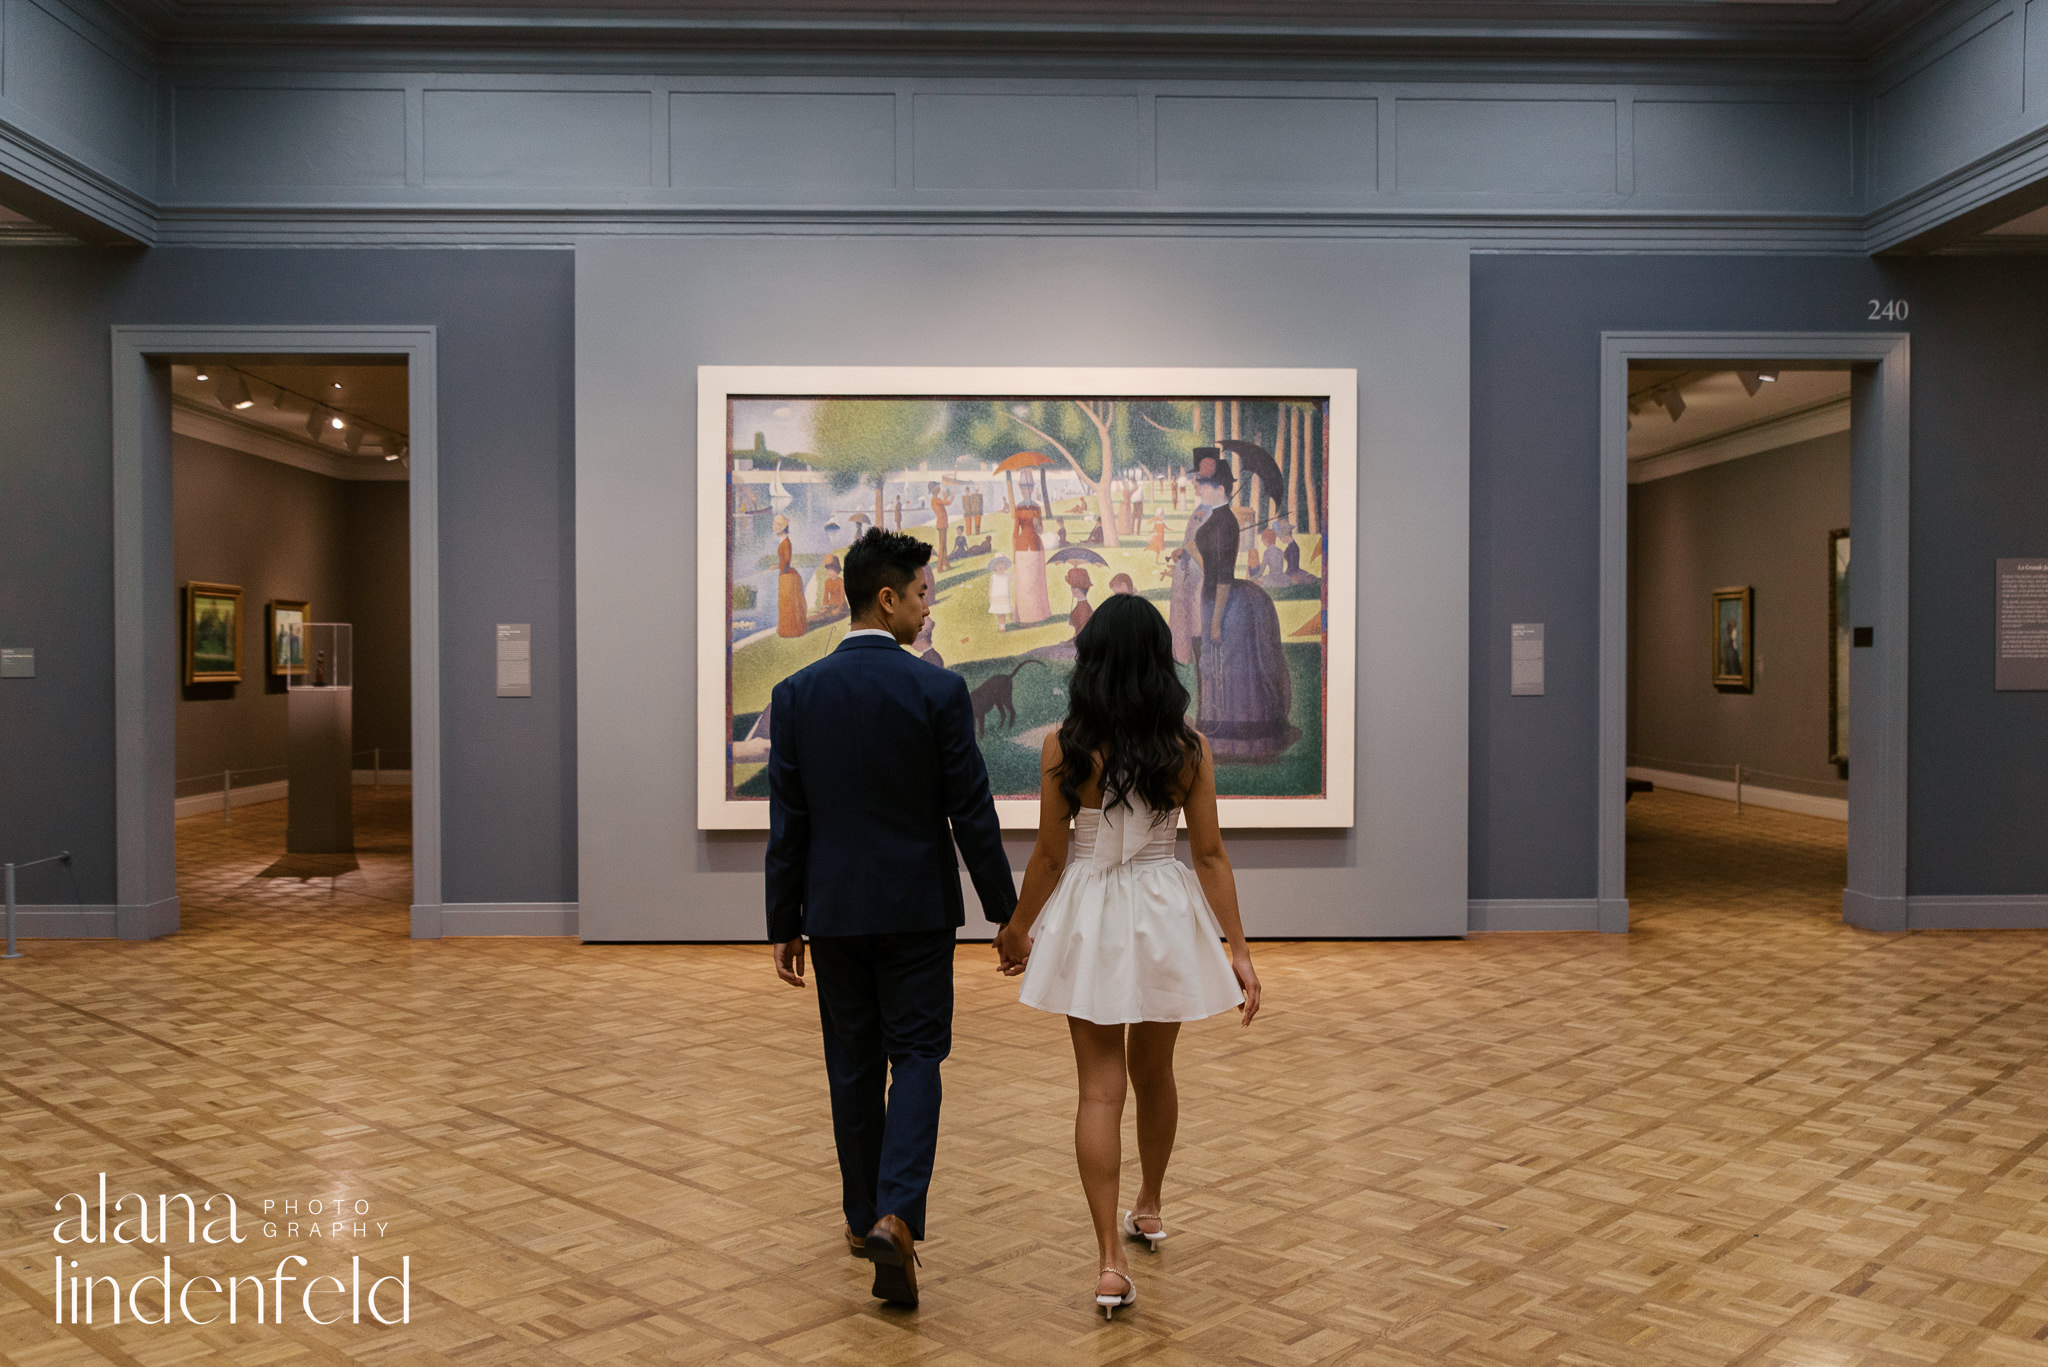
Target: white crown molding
1787,429
193,420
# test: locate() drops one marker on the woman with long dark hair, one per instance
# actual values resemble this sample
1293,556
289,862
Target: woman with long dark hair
1123,938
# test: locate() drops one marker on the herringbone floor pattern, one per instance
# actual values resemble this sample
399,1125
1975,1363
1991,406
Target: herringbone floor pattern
1742,1134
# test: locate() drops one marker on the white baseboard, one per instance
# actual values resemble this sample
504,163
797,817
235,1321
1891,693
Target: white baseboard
1805,804
1493,915
203,803
451,919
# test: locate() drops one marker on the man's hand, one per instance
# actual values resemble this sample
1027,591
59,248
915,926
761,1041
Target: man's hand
789,961
1013,950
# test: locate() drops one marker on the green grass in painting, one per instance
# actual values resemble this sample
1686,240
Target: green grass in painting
976,645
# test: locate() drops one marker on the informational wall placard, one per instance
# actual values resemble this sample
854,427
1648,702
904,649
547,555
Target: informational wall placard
2022,625
17,662
515,659
1525,660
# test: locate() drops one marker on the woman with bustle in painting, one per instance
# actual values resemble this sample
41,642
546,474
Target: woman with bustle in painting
1027,574
792,614
1244,694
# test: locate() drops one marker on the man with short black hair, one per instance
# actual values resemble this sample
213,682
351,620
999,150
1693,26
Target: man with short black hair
873,777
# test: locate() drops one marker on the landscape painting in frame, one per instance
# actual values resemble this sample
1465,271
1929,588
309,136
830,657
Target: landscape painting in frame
1227,498
213,633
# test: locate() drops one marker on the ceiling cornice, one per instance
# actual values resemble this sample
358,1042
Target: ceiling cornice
1328,30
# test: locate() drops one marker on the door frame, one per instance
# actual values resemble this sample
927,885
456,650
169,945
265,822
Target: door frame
1880,506
146,625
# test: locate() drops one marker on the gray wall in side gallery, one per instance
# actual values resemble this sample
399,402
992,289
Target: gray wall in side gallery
1762,521
506,476
649,312
1976,786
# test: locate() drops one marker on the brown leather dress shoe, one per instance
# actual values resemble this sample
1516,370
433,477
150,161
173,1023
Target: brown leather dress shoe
855,1245
894,1253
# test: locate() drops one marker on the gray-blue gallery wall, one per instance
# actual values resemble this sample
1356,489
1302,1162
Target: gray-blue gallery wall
505,355
1976,783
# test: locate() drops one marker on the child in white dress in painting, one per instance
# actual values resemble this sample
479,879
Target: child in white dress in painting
1123,939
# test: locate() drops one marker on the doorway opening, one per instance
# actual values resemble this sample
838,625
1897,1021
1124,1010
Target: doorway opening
1878,366
290,522
1739,546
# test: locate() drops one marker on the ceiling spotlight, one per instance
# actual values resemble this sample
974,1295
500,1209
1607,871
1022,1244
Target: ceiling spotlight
1674,403
1751,381
1768,376
334,420
337,384
199,373
233,391
392,456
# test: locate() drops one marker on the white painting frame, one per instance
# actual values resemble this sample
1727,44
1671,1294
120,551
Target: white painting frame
1338,388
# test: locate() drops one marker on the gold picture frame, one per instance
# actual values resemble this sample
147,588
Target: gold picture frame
1732,639
213,633
284,628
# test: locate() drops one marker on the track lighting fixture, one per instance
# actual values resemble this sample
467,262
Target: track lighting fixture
233,391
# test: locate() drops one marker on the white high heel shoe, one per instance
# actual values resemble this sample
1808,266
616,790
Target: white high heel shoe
1131,1230
1111,1304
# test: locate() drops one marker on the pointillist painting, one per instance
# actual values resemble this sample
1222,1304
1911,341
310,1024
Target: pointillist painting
1039,503
1733,643
1838,646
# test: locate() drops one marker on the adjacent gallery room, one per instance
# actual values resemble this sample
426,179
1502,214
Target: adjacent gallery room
293,715
1738,638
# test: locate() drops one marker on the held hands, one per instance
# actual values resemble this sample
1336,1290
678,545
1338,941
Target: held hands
789,961
1013,949
1247,981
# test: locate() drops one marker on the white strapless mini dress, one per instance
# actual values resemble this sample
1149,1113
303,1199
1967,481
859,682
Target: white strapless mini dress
1127,935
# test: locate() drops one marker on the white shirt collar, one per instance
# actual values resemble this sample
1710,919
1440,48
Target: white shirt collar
872,631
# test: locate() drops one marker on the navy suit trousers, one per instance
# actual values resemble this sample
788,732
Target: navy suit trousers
887,1006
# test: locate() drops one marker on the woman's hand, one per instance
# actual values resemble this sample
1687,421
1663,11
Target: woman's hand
1247,981
1013,949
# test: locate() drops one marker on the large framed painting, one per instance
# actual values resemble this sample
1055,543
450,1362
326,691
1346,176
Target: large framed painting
213,633
1227,497
1734,639
285,627
1838,646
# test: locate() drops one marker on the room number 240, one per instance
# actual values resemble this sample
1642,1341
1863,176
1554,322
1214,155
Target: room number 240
1887,311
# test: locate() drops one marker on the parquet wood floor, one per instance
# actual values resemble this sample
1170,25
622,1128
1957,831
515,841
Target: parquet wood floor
1743,1134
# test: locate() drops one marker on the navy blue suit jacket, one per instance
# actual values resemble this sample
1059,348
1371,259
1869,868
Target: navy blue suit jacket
872,757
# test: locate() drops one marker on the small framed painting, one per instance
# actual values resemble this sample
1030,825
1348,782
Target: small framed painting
286,629
213,633
1838,646
1734,639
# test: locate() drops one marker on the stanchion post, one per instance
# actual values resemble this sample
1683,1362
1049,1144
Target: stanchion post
12,952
